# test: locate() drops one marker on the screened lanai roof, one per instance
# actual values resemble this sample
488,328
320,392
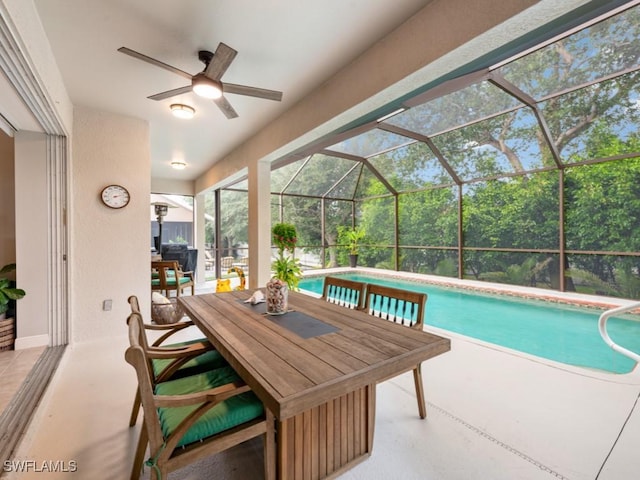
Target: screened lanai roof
539,111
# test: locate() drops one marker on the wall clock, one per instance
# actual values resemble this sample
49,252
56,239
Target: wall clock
115,196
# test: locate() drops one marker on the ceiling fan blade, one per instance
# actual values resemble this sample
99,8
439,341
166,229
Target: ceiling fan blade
153,61
226,107
252,91
170,93
221,60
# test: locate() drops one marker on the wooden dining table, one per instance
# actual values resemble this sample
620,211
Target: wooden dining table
316,368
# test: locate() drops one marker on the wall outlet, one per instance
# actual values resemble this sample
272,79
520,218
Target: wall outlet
106,305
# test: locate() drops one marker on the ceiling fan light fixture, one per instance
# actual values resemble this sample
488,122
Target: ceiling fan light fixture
206,87
178,164
182,111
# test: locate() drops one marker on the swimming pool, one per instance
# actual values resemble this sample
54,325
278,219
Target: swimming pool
563,333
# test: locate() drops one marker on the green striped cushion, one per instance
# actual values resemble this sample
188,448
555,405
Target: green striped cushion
227,414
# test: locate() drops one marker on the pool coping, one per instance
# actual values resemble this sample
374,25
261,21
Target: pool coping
532,293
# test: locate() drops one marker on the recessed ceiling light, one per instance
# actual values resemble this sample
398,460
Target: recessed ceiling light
178,164
182,111
206,87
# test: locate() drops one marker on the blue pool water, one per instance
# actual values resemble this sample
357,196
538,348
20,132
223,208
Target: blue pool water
557,332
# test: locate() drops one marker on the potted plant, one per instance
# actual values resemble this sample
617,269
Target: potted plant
352,236
8,292
286,271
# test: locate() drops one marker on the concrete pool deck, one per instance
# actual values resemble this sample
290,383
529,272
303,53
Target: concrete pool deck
491,414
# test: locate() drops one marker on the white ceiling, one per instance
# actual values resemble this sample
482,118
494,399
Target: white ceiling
287,45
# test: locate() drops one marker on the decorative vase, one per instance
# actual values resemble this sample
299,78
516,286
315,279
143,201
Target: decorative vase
277,297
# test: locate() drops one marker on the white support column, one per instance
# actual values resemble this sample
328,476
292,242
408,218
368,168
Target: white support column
198,203
259,224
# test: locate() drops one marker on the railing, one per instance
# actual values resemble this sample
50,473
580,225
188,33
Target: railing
602,326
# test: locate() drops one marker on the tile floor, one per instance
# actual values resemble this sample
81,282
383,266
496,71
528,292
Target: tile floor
15,365
492,414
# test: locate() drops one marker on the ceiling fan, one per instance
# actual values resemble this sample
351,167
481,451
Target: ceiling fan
207,83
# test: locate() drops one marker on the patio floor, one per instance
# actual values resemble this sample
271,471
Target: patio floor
492,413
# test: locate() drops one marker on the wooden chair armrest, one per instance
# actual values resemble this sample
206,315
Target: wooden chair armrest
169,329
214,395
190,350
168,326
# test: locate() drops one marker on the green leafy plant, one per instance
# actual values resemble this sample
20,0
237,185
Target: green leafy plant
287,269
7,291
351,236
285,266
285,237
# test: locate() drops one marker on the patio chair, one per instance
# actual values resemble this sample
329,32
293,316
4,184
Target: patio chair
194,417
344,292
209,260
190,357
226,263
167,276
406,308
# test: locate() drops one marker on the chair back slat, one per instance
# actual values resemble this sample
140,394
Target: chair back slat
134,303
136,356
397,305
137,329
343,292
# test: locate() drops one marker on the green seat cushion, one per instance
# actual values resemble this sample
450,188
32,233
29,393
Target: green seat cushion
169,273
225,415
170,281
207,361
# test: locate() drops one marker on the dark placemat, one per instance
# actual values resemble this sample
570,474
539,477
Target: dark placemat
299,323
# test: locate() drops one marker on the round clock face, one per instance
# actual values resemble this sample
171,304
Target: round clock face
115,196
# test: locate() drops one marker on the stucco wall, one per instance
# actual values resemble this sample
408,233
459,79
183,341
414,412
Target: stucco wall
110,248
7,201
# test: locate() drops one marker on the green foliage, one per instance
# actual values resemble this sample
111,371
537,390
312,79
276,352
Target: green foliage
285,237
286,267
512,222
234,221
351,237
7,291
447,268
591,281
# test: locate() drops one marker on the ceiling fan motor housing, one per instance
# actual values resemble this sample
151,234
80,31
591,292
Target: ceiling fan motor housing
205,57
